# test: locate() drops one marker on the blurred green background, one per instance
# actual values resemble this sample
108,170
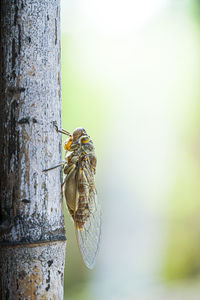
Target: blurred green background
130,77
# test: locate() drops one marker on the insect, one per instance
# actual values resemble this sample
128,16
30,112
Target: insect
80,192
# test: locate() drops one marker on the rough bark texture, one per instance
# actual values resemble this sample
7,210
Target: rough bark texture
31,224
34,272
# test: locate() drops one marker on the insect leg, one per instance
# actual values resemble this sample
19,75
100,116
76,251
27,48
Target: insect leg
63,184
54,167
61,131
71,186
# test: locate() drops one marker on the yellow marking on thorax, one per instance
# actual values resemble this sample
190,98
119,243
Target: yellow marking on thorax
67,144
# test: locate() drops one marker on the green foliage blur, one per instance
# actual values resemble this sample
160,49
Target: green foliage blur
131,88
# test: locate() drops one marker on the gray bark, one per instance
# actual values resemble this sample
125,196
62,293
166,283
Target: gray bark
32,234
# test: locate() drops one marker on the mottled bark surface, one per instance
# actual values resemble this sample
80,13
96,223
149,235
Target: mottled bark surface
30,103
34,272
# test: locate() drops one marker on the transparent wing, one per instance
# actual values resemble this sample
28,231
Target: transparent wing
89,237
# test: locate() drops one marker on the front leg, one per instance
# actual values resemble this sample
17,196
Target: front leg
67,170
71,186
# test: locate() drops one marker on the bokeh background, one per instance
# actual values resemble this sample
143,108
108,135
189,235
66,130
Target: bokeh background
130,76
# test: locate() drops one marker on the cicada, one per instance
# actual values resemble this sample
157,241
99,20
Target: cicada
80,192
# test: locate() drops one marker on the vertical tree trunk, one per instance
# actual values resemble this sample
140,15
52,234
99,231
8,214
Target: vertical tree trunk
32,235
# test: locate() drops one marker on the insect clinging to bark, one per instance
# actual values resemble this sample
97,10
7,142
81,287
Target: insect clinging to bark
80,192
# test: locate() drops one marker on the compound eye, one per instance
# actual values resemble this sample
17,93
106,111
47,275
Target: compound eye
84,139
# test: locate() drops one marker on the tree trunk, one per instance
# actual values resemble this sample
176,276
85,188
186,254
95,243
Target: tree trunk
32,234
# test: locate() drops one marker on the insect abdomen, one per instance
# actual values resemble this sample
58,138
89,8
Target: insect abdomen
83,212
